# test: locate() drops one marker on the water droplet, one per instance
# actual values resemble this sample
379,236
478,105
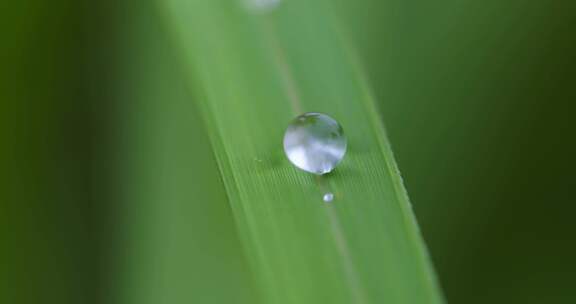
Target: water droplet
328,197
258,6
315,142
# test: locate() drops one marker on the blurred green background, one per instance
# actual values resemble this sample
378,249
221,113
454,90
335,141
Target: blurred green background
477,98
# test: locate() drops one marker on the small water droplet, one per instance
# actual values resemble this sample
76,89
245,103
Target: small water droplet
315,142
257,6
328,197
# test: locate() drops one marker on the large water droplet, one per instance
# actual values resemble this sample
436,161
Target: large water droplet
315,142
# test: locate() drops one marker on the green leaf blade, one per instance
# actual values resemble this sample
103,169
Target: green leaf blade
258,71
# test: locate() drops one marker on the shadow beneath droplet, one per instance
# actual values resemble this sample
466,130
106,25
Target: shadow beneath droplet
357,146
